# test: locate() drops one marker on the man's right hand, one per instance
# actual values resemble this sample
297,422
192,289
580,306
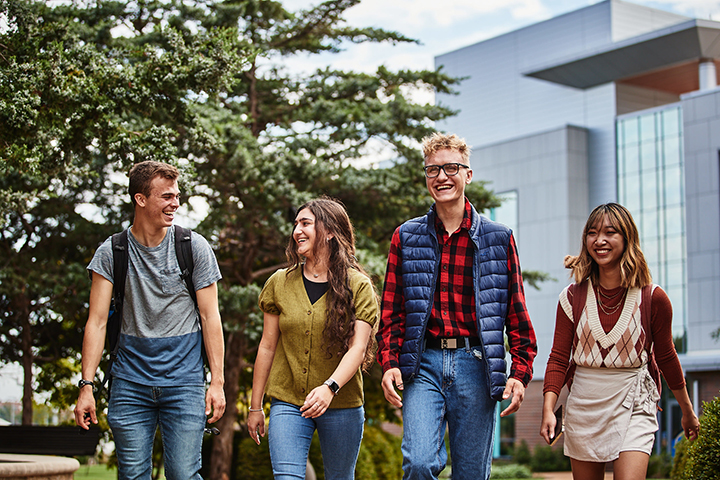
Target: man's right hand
85,408
392,379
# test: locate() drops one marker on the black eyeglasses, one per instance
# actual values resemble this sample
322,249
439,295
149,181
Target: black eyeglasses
450,169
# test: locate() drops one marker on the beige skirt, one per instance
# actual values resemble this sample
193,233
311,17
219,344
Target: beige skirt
610,411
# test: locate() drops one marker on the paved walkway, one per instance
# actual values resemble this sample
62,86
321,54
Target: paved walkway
564,475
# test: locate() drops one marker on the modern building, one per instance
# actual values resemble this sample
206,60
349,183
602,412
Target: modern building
612,102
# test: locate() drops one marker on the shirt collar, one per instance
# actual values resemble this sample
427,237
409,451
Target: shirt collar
466,221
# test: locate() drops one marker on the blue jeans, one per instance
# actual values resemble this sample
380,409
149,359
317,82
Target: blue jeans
340,432
134,413
449,390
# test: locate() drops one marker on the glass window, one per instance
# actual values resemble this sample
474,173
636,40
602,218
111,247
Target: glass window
650,192
671,150
671,123
507,212
675,275
650,185
631,193
674,187
630,130
632,159
647,128
674,247
673,221
648,156
649,225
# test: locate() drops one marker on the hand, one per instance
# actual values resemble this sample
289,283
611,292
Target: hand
317,401
391,379
690,425
547,428
515,388
256,425
85,409
214,402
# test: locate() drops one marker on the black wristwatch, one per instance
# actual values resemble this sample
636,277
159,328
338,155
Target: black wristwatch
84,382
332,385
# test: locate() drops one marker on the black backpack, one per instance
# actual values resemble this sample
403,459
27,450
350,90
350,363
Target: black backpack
183,251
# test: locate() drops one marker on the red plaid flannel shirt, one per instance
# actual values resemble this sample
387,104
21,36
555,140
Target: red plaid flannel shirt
453,312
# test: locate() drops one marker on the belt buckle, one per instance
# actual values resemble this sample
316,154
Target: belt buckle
448,343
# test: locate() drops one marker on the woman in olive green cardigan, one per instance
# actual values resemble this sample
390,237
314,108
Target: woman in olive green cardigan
318,322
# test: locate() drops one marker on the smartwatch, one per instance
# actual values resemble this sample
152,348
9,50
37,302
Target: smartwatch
332,385
84,382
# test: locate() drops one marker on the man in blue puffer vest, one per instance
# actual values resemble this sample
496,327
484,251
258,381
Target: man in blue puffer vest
453,286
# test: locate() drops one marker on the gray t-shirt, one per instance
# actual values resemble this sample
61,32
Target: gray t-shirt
160,340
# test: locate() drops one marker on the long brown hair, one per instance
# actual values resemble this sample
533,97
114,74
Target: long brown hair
332,219
634,271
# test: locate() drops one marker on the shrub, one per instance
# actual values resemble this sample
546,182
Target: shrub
703,454
383,452
510,471
678,468
253,461
548,459
522,454
659,466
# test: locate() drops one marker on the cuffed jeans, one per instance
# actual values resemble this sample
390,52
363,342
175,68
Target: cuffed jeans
340,432
449,390
134,413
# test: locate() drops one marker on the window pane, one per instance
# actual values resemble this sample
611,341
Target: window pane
647,128
649,190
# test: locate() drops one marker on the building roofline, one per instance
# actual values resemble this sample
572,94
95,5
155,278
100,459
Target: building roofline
684,42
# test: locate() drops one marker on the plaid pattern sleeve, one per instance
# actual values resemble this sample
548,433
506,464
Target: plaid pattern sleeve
519,329
391,331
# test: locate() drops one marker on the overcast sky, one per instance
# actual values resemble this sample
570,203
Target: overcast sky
441,26
446,25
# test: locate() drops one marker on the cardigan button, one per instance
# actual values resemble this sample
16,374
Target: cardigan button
304,370
309,312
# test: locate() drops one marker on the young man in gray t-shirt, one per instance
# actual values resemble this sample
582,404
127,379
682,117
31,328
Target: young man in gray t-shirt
158,376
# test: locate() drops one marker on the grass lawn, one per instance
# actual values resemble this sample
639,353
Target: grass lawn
99,472
95,472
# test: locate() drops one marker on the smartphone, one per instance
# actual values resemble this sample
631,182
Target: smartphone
559,426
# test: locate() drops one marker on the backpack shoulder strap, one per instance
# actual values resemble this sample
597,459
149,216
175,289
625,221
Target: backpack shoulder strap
646,321
578,305
579,299
183,251
646,314
120,269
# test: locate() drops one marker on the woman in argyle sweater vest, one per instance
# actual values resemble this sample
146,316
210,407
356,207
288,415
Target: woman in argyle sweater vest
613,331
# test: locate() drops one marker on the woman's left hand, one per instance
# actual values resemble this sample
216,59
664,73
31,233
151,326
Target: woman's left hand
691,425
317,401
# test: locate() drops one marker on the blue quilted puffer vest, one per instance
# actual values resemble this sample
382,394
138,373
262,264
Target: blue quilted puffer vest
420,264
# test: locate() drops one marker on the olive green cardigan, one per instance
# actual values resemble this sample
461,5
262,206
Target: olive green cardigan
301,361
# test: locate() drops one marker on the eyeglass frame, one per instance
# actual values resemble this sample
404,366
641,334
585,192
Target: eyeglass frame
442,167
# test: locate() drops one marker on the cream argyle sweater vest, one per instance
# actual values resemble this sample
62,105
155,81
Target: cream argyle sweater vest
622,347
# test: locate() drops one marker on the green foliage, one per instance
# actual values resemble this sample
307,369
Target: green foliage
522,454
680,460
510,471
253,461
548,459
380,457
659,466
703,454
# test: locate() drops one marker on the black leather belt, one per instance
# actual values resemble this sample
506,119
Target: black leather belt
451,342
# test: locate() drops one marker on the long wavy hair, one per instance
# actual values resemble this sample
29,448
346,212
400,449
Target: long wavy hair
332,219
634,271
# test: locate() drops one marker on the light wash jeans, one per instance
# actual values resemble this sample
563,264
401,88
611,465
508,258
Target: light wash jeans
134,413
340,432
450,390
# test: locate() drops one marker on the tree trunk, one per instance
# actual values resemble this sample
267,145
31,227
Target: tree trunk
222,449
27,362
